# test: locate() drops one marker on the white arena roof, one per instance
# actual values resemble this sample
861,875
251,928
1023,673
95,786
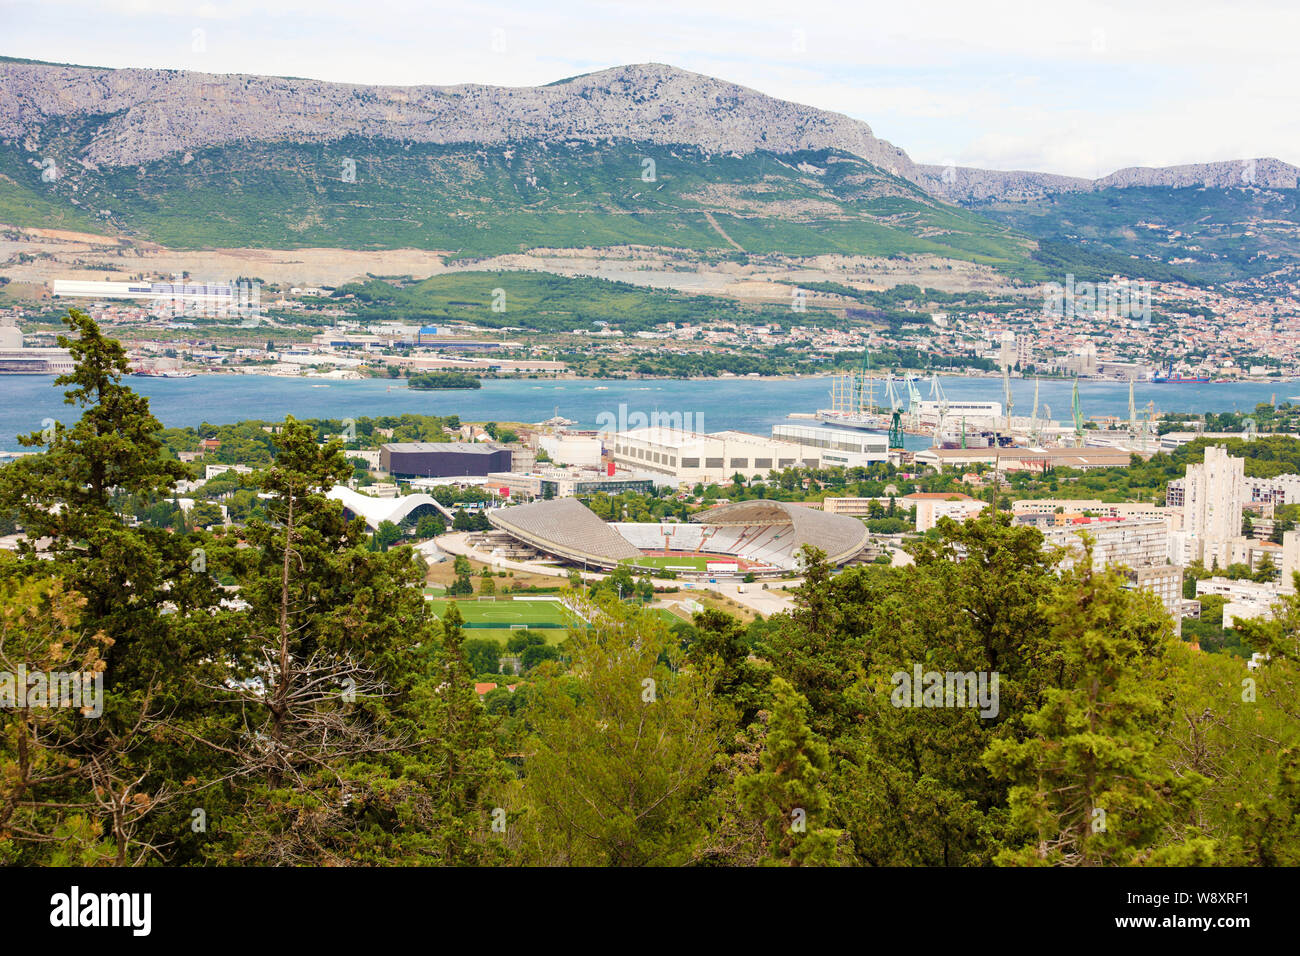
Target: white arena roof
375,511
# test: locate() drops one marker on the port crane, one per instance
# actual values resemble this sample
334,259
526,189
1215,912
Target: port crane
1006,394
1132,413
1077,410
1035,427
913,401
937,393
895,416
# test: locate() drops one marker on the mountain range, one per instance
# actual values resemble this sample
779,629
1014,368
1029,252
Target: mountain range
635,155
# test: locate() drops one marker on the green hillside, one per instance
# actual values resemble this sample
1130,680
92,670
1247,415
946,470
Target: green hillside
478,201
1226,233
545,302
471,201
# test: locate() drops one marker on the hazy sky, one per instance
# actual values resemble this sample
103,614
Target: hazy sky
1080,88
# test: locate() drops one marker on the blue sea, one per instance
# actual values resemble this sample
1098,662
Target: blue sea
745,404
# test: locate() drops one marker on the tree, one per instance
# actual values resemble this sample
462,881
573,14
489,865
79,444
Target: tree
334,631
146,588
463,773
621,748
71,492
1088,786
205,514
463,570
538,653
787,794
483,655
387,535
720,644
808,650
430,526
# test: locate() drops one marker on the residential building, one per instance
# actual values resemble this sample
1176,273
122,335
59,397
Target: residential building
931,506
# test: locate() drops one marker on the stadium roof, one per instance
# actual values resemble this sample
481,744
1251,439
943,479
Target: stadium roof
375,511
840,536
567,528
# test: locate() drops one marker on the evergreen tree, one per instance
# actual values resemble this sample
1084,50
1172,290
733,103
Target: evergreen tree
787,794
621,748
1088,787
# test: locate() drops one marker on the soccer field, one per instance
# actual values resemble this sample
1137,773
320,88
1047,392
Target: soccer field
505,613
672,562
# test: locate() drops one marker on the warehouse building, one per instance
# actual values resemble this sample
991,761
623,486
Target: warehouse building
566,483
846,447
423,459
691,457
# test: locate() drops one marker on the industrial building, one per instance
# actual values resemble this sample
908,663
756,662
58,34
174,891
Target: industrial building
1026,459
15,359
567,483
845,447
695,457
570,449
422,459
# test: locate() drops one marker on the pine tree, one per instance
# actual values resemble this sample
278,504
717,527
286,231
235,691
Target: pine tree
73,499
466,777
334,634
1088,786
617,766
788,793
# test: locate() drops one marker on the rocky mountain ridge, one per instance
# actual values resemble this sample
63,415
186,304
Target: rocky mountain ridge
141,115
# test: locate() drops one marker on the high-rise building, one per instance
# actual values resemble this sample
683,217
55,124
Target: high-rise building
1213,495
1007,350
1290,555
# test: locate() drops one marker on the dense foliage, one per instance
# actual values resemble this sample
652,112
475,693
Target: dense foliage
278,692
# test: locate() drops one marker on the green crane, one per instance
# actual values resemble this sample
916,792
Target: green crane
896,416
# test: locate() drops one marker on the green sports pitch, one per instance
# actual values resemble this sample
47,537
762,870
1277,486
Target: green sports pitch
504,613
671,562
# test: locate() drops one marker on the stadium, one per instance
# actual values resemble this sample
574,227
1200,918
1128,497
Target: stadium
761,537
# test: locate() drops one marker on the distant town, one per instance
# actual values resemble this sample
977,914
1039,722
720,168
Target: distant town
1103,331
